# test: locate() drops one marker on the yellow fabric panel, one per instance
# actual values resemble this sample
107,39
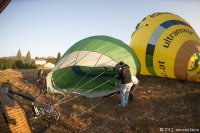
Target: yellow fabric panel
141,37
163,57
139,45
168,55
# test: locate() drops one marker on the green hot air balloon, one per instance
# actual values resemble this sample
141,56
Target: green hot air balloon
88,67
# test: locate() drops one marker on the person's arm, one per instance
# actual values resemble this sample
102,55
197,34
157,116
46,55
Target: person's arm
120,74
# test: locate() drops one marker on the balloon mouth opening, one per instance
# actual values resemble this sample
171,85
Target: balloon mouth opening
193,69
194,62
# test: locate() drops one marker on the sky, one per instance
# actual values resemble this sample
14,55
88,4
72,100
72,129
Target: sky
46,27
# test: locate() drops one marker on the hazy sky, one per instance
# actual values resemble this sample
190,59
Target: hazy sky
46,27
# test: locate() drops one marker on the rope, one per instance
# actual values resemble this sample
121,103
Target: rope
71,64
92,107
78,60
82,86
80,95
84,76
81,80
87,73
60,101
83,58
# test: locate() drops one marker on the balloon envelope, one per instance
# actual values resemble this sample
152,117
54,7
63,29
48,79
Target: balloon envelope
167,46
88,67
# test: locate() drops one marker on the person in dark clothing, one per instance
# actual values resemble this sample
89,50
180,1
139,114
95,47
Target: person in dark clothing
124,77
41,77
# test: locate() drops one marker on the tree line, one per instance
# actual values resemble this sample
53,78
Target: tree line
20,62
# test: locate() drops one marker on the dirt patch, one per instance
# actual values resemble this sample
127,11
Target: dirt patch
158,103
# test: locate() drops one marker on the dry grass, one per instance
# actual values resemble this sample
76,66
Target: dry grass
158,103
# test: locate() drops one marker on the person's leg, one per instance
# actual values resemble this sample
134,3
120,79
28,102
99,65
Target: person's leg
128,88
122,94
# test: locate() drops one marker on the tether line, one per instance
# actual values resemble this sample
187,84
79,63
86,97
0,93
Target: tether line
82,94
77,59
92,107
85,83
80,81
89,71
91,67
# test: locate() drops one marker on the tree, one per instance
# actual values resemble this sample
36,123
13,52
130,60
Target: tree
7,62
58,57
36,57
28,58
19,64
19,55
51,59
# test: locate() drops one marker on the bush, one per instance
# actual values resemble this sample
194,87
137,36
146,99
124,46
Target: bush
7,63
20,65
11,62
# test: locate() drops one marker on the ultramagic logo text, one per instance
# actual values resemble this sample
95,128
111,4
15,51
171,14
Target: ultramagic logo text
174,34
158,14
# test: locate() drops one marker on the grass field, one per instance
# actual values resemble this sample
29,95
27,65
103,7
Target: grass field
159,104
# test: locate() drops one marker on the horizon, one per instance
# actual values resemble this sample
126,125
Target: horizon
24,56
46,27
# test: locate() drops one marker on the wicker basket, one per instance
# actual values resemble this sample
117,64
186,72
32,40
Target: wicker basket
12,115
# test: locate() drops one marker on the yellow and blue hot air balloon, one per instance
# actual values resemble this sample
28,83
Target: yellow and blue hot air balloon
167,46
88,67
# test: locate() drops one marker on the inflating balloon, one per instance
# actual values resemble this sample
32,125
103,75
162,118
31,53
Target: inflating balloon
88,67
167,46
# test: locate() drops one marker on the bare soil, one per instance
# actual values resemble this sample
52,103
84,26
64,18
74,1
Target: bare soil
159,104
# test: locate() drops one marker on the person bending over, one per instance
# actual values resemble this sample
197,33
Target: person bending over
124,77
